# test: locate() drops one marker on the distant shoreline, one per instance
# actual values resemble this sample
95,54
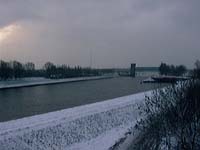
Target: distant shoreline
49,82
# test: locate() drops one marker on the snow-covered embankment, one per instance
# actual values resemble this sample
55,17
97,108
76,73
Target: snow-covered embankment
91,127
28,82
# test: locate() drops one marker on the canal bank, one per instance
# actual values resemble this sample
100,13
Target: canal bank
95,126
42,81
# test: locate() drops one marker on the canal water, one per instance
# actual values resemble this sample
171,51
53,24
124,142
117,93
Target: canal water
22,102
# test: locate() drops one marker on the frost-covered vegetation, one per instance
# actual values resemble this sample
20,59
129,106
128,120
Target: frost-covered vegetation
172,117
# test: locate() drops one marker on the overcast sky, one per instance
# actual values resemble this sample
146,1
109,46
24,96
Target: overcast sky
114,32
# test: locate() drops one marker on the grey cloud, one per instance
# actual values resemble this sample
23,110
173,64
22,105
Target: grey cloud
13,11
117,31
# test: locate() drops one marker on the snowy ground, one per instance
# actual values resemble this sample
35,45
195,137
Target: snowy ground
25,82
95,126
148,80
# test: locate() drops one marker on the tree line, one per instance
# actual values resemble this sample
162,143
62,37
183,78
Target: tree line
65,71
16,70
165,69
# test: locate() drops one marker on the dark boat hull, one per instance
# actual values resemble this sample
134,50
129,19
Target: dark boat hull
168,79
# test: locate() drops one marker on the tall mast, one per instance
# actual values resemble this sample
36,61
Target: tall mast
90,58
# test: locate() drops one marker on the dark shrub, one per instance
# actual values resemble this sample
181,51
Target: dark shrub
171,118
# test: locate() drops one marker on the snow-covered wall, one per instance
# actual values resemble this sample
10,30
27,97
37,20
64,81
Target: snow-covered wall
94,126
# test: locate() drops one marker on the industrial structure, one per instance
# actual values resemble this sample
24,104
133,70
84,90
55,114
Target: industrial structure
133,69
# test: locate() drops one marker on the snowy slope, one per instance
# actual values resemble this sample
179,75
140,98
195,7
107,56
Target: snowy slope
26,82
91,127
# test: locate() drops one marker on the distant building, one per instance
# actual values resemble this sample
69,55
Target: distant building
133,69
147,71
138,71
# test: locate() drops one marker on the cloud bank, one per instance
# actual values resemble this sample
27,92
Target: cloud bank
115,32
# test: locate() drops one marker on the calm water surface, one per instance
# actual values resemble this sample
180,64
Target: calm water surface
22,102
